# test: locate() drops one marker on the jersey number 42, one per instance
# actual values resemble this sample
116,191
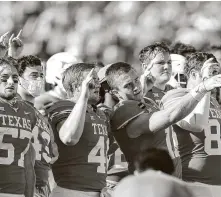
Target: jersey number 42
93,156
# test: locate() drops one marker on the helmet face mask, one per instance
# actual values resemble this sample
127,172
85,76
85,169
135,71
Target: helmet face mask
181,80
178,78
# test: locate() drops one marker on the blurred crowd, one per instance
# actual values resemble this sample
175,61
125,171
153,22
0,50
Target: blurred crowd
109,31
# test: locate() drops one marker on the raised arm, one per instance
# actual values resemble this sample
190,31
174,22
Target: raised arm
198,119
15,45
72,128
173,111
4,44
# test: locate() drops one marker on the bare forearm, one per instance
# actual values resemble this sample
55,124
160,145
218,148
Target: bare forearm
176,109
198,118
72,129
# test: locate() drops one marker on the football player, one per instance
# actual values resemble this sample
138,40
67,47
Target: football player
157,60
18,120
137,125
117,165
31,85
198,137
81,133
55,66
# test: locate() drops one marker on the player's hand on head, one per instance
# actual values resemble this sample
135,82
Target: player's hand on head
4,44
209,67
212,82
15,45
86,84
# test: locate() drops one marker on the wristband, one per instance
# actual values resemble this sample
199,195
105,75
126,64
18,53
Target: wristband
198,92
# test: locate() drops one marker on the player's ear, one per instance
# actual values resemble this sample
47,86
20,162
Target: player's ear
193,74
144,66
114,92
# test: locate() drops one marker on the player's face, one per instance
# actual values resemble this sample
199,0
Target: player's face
129,86
32,80
161,68
8,82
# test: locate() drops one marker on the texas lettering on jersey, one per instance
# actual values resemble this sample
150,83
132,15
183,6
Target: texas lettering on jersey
15,121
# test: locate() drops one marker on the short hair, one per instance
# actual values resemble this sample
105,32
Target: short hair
156,159
73,75
148,53
115,70
8,61
182,49
196,60
27,61
98,64
213,48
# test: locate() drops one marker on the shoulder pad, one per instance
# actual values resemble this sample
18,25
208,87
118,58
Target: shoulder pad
60,110
107,110
125,112
44,100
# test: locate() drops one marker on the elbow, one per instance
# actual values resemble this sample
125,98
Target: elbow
67,140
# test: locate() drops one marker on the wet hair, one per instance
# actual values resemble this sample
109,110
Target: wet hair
73,76
115,70
196,60
27,61
148,53
182,49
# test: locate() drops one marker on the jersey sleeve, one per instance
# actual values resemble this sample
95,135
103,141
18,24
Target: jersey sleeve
59,112
127,111
107,110
53,148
